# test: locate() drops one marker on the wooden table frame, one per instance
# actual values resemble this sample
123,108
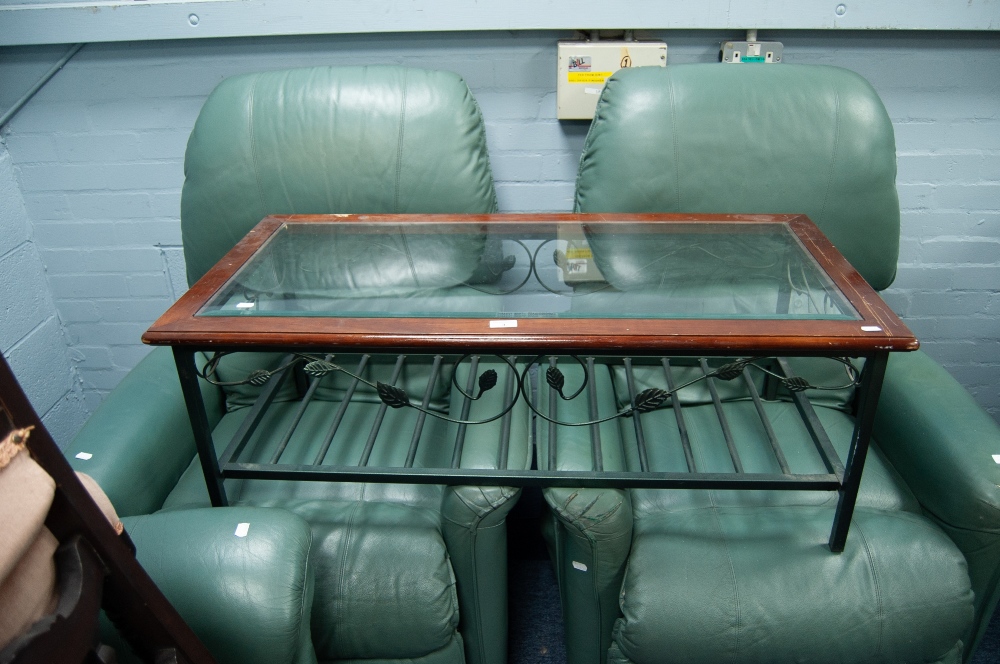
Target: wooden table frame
876,333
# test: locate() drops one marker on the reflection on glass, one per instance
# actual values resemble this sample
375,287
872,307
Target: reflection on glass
532,270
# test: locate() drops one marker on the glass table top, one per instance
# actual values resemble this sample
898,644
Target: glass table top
524,270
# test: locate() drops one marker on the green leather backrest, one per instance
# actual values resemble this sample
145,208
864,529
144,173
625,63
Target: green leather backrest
330,140
720,138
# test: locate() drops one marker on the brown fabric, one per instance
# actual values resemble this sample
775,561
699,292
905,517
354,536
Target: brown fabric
26,492
29,592
27,571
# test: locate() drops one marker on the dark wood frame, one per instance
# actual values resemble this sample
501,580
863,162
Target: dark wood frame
180,326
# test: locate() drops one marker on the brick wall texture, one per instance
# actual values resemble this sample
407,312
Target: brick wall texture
32,337
98,159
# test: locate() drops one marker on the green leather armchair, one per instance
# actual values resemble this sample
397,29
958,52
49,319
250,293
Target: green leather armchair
710,576
403,572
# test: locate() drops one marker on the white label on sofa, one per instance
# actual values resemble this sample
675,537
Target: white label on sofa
242,529
996,457
580,566
503,323
86,456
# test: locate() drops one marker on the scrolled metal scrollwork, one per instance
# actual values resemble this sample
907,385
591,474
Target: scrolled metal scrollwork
646,401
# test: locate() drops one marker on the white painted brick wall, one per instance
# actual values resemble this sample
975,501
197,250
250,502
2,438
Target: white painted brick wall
32,337
99,152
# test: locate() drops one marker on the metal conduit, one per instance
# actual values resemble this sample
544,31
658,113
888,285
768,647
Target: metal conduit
26,97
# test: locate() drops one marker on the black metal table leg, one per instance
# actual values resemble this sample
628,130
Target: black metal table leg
870,389
188,374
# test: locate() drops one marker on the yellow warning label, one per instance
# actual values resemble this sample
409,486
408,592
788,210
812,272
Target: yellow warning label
588,76
578,252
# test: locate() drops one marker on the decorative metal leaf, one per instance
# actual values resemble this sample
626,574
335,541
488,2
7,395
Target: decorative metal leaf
259,377
650,399
392,396
319,368
796,384
555,379
487,380
731,370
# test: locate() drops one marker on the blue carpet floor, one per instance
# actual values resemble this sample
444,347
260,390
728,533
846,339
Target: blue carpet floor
535,625
989,648
535,620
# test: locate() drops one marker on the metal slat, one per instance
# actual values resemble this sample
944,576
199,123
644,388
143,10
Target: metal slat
299,412
470,385
811,421
540,478
764,420
771,385
595,429
723,422
253,418
418,429
553,415
508,397
377,424
339,416
640,438
679,415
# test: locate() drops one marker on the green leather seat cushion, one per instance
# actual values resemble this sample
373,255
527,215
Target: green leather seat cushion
385,587
726,583
881,486
901,589
384,584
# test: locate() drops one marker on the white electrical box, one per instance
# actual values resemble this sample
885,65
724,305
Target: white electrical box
741,52
584,66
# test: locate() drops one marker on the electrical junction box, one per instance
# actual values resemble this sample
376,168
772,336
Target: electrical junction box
739,52
584,66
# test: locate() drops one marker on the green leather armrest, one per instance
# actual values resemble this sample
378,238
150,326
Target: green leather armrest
589,531
241,577
474,519
139,442
941,442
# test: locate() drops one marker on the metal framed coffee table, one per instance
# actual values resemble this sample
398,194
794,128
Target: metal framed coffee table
538,291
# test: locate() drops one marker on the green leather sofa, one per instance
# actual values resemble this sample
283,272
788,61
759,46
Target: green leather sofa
723,576
402,572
